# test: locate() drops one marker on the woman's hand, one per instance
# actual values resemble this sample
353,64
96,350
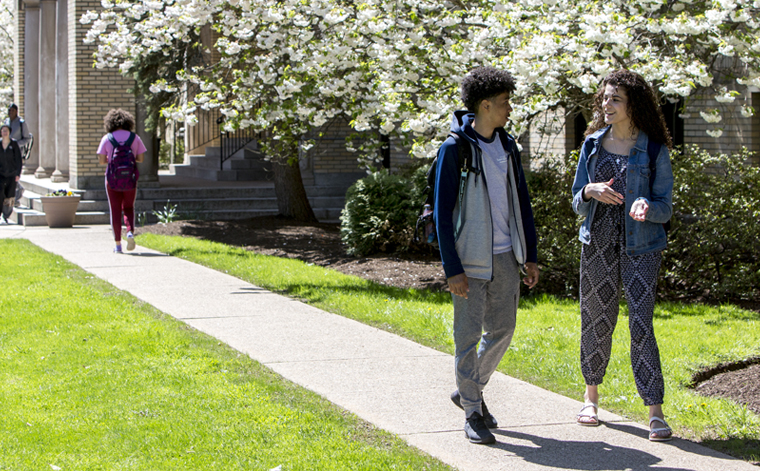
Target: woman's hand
639,210
603,193
458,285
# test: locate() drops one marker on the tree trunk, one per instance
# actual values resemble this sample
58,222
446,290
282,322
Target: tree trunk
291,194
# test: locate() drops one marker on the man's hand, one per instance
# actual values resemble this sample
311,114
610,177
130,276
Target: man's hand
458,285
532,274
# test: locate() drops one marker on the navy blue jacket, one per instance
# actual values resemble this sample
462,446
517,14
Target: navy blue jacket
479,240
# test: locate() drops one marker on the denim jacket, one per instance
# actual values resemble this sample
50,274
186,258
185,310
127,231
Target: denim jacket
640,237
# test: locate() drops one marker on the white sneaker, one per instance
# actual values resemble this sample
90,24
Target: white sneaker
130,241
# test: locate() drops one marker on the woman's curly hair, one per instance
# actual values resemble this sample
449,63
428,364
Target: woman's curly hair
482,83
117,120
643,108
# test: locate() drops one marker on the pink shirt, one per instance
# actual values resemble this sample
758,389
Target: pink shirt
106,148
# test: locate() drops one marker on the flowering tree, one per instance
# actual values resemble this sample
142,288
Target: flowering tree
559,51
394,66
7,33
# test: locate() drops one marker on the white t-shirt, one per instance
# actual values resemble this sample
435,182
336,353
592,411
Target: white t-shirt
496,166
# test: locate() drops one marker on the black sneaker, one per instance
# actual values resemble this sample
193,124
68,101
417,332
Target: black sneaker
489,419
476,430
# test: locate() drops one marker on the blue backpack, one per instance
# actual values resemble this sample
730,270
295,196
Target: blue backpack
122,173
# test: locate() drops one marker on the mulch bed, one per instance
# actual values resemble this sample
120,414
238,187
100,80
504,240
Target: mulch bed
320,244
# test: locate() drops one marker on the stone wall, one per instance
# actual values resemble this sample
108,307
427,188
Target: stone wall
329,163
737,130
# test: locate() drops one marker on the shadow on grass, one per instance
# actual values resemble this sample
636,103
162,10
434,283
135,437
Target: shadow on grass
319,292
742,448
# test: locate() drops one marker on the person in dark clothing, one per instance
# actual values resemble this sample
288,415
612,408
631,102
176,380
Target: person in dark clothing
10,170
486,236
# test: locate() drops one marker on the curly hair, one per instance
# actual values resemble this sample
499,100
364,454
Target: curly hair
119,120
643,109
483,83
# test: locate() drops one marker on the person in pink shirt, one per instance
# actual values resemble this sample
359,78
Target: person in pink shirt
120,124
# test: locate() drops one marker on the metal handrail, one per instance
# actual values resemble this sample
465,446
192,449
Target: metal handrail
232,141
202,134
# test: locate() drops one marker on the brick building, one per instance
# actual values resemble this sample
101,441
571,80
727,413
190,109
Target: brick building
555,133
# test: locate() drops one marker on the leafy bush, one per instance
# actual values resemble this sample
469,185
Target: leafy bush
380,213
713,245
559,250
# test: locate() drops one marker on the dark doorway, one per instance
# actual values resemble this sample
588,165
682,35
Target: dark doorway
580,128
671,111
385,150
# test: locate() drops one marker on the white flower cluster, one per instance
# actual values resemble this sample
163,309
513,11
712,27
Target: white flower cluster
394,66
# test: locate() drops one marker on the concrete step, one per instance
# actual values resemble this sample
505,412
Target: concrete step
31,217
214,204
228,201
205,173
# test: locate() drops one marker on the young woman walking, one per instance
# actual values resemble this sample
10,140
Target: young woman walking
119,126
625,199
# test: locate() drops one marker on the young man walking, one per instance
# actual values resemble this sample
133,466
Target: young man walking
486,236
19,129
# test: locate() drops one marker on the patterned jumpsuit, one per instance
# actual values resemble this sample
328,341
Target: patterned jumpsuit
604,267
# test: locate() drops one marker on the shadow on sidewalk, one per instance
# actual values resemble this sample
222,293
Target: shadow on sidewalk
590,456
684,445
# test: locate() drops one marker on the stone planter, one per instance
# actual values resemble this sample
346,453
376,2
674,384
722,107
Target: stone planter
60,211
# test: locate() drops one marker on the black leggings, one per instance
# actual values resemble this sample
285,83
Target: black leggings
8,186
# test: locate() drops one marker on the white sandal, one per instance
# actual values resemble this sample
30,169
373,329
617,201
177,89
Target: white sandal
654,433
593,416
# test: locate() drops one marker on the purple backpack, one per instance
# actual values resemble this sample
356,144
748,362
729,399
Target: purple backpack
122,173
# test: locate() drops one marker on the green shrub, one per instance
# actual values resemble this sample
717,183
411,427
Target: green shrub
380,214
713,244
559,250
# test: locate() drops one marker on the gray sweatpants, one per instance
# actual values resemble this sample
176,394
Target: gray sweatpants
488,316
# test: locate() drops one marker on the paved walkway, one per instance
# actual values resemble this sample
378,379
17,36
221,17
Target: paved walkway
389,381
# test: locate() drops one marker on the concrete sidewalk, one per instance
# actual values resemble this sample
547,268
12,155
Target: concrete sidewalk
394,383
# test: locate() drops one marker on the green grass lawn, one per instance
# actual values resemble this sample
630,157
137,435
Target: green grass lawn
545,349
92,379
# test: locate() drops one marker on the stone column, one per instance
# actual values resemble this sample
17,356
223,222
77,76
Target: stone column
47,88
61,173
31,78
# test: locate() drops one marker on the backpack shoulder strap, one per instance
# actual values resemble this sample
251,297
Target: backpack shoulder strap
464,151
653,149
131,139
112,140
